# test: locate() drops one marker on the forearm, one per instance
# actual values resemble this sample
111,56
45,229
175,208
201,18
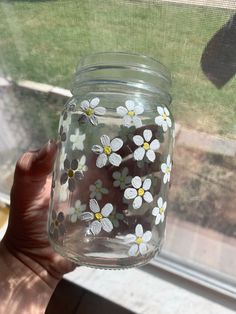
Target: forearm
22,290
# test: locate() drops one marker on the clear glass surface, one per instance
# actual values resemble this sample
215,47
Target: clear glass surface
112,173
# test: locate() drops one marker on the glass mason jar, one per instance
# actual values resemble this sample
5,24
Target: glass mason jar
112,173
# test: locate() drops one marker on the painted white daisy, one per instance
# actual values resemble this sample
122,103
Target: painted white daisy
91,111
146,146
82,167
78,140
97,190
76,211
130,113
100,217
166,169
159,211
163,119
139,192
139,240
121,179
107,152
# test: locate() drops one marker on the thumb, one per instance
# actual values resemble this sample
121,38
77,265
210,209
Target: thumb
32,170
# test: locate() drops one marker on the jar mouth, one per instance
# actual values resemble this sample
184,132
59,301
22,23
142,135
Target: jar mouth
124,59
123,68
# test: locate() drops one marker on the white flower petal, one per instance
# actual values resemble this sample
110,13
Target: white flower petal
93,120
139,231
151,155
138,140
137,203
86,216
160,110
116,144
147,134
163,167
97,149
95,227
127,120
94,102
122,111
130,238
168,160
147,236
73,218
164,206
100,111
130,105
130,193
143,248
164,126
159,120
136,182
160,202
133,250
137,122
162,217
169,122
93,204
101,160
105,140
158,219
165,179
124,172
115,159
107,209
147,184
155,211
148,197
84,105
139,153
106,224
155,144
166,111
138,109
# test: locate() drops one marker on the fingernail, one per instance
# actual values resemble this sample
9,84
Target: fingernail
45,149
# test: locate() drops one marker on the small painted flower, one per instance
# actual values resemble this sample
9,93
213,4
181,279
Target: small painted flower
100,217
76,211
139,240
70,174
116,218
146,146
91,111
97,190
166,169
159,211
130,113
107,152
57,227
121,179
163,119
82,167
139,192
78,140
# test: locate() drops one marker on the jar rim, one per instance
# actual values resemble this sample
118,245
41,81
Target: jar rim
139,61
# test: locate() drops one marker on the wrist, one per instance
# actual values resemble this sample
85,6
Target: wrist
25,286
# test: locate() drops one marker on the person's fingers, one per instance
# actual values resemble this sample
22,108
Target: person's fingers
31,174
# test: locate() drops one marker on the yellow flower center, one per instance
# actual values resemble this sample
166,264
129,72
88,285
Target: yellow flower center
131,113
107,150
140,191
164,116
98,216
139,240
146,146
70,173
161,210
89,111
167,169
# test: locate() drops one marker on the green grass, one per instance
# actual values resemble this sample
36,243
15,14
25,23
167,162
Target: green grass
44,40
